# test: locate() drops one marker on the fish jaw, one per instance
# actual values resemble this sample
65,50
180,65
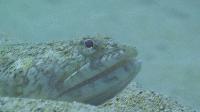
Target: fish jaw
114,83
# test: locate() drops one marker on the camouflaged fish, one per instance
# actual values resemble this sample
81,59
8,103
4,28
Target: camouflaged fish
89,70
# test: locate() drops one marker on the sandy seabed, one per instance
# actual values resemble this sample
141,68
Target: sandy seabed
132,99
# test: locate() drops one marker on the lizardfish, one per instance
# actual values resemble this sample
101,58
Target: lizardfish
89,70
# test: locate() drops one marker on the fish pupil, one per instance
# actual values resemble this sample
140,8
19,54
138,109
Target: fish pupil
89,43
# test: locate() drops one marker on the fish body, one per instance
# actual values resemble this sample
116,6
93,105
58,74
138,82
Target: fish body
89,70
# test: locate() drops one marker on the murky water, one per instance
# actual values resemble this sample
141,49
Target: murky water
166,33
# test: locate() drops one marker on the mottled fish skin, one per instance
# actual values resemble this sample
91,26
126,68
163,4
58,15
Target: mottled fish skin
67,70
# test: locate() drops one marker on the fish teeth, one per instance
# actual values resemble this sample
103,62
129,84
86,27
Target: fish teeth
109,56
103,59
121,52
115,55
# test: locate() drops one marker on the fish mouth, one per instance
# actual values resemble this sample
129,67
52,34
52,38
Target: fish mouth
113,82
96,85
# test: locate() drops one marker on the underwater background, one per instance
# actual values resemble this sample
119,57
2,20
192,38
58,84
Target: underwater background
165,32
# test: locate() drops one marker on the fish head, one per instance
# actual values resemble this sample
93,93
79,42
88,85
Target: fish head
109,67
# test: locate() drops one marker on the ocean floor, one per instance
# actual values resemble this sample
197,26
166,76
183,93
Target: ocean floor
165,32
132,99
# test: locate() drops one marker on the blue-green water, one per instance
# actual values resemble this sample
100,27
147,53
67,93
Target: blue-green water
166,33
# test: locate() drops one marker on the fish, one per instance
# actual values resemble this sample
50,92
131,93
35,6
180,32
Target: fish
90,70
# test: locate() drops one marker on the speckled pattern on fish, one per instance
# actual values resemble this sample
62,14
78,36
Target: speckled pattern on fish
67,70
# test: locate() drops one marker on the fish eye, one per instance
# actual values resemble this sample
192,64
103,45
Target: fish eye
89,43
